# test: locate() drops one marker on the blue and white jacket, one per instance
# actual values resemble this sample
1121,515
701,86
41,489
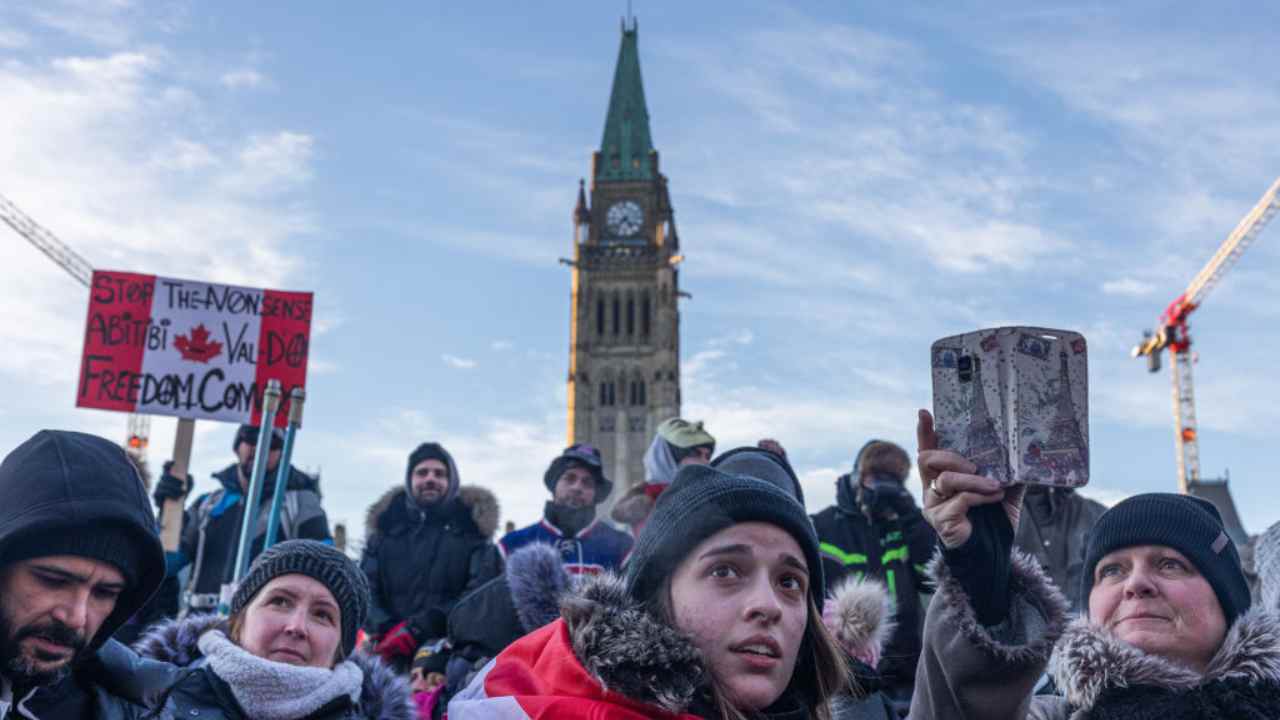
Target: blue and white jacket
594,549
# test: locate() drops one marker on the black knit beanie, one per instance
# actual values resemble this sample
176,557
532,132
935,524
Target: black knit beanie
586,457
762,464
1187,524
318,561
702,501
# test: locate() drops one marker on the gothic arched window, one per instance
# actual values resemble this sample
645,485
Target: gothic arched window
617,314
631,315
644,314
600,316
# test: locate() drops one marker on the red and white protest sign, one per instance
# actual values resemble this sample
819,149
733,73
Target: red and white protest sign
164,346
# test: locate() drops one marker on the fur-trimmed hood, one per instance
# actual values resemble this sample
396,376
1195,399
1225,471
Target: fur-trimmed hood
627,650
538,582
475,505
859,614
384,696
1089,660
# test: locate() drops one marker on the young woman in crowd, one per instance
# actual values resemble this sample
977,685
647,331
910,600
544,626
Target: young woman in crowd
1167,633
717,616
285,652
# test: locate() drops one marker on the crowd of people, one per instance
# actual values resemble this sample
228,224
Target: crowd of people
710,591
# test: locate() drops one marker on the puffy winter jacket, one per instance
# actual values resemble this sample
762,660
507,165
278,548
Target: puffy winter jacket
199,693
420,562
522,599
892,551
111,684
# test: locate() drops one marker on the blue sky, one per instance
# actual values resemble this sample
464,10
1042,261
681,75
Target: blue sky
851,181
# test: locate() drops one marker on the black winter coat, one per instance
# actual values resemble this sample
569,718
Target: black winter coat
199,693
892,551
112,684
522,599
421,562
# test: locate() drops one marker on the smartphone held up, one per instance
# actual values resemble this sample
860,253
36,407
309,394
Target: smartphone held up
1015,402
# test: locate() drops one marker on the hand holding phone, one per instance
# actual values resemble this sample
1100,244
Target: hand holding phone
1014,402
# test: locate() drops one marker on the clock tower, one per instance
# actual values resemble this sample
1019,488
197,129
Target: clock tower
624,338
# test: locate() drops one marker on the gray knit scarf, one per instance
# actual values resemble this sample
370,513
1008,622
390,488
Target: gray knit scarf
270,690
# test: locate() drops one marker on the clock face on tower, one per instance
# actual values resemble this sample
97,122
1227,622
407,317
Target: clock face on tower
624,218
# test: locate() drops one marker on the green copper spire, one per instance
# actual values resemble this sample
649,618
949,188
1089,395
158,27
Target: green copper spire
626,150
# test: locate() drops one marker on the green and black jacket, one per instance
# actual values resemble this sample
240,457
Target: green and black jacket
893,551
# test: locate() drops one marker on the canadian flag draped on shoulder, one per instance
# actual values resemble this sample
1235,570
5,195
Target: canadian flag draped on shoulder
539,677
164,346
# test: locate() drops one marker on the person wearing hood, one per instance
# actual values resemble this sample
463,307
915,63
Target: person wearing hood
287,650
876,531
676,444
577,484
1168,629
211,524
717,615
428,543
1055,531
79,555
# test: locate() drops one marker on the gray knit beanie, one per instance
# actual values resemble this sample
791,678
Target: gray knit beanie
320,562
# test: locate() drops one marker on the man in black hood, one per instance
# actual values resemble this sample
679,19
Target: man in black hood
211,524
79,554
428,543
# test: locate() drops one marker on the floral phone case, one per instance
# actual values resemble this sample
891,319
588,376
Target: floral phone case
1015,402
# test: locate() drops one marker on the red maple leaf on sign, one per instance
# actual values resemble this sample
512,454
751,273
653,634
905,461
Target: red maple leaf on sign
198,348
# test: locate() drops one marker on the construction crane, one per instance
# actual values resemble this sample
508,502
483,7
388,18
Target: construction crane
139,428
1174,333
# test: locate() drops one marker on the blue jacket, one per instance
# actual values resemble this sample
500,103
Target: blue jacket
595,548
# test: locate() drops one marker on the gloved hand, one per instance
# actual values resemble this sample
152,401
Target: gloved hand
397,642
902,503
170,487
884,496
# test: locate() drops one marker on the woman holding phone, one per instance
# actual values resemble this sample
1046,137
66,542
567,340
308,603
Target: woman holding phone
1167,633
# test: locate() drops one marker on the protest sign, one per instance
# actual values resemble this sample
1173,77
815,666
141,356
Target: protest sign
191,349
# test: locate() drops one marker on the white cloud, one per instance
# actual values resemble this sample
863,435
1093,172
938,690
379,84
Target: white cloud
244,78
739,337
459,363
868,165
500,345
1130,287
272,163
118,161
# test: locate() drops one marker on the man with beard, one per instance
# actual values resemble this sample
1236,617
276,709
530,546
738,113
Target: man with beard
79,554
577,484
429,542
211,524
